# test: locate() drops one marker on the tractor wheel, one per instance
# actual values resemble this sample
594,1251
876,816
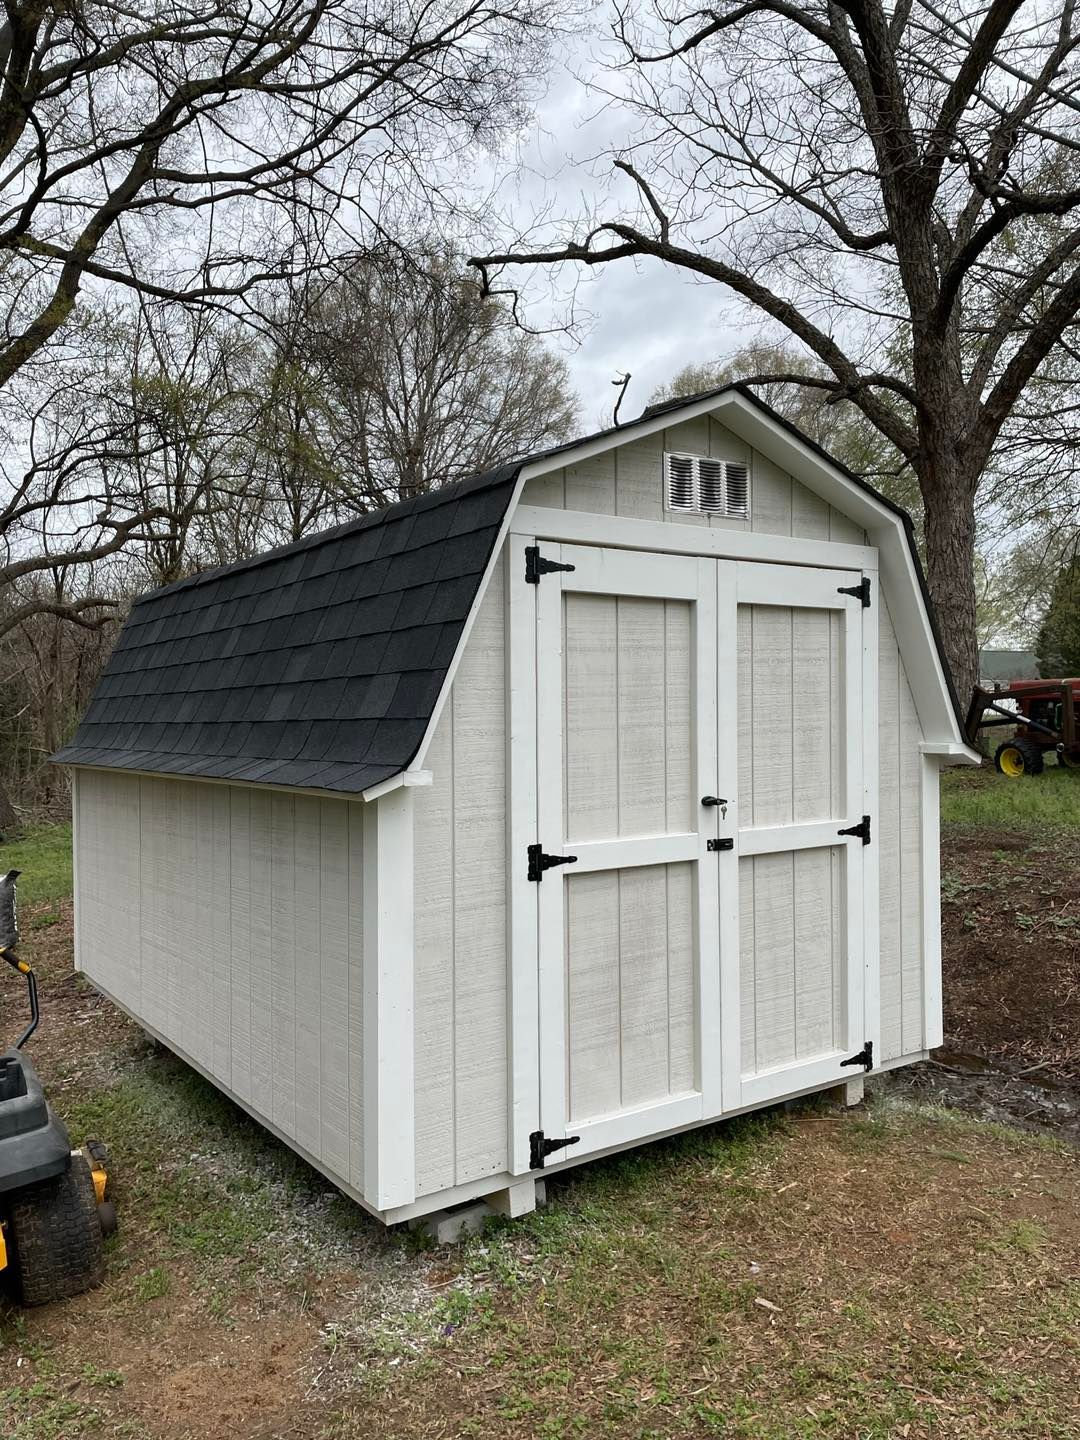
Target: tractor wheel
1018,757
1071,761
56,1235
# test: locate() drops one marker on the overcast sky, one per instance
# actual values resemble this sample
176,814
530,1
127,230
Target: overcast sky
646,318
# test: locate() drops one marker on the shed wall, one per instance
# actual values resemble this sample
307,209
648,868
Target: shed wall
628,480
229,920
461,1022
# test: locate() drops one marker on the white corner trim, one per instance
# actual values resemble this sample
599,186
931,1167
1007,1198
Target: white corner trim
406,778
930,841
389,1094
76,907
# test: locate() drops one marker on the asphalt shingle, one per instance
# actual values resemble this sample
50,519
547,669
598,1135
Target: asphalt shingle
316,665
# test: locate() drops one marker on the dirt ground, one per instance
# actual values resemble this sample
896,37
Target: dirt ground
1010,917
884,1273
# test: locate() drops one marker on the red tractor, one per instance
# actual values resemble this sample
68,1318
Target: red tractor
1046,714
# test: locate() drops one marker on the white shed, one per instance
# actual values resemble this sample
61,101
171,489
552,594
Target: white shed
583,802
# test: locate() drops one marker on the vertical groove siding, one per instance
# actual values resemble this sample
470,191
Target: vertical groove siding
629,481
461,920
229,920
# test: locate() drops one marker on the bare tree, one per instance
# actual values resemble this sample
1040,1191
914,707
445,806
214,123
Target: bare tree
67,500
896,187
429,383
187,151
839,426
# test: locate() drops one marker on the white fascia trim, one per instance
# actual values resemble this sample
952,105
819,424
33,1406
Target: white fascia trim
950,753
395,782
316,793
885,529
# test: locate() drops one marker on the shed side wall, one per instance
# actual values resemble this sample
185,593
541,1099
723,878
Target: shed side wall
460,831
230,921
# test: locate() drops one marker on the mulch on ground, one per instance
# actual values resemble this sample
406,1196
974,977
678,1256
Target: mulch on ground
1011,941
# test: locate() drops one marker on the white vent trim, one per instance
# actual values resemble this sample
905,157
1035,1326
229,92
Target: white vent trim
701,485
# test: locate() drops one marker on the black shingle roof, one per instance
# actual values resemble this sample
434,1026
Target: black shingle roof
317,664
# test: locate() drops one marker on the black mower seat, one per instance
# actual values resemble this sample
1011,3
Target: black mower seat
34,1144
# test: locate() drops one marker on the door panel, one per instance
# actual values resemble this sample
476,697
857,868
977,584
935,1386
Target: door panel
800,781
670,982
793,956
626,658
628,729
630,1021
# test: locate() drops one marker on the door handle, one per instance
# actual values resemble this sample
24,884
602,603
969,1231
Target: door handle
712,800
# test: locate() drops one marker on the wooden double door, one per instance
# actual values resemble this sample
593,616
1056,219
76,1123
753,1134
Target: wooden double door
691,928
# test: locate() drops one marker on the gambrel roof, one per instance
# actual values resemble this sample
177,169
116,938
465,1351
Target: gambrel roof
315,665
320,665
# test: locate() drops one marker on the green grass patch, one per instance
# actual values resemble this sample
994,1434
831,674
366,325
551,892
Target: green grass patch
43,854
986,799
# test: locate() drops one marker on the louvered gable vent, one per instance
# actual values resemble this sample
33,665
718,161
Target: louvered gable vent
700,485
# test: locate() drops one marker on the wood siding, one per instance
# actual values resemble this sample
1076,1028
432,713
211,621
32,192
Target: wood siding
628,481
630,1011
461,918
228,919
627,681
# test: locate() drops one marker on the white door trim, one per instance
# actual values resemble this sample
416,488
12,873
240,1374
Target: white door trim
584,528
522,896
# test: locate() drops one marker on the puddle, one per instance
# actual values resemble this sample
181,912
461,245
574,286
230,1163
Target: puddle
1009,1094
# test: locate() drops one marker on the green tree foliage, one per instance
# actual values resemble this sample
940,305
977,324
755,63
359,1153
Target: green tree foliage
1058,643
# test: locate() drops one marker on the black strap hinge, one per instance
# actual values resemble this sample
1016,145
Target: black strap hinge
862,830
540,1148
865,1057
539,862
536,565
860,591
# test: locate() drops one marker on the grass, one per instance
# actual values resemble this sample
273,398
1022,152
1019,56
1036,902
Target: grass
815,1276
43,854
1050,801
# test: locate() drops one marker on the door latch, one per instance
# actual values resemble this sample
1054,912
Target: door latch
727,843
717,801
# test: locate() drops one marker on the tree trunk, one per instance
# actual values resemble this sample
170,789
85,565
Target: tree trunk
950,565
9,821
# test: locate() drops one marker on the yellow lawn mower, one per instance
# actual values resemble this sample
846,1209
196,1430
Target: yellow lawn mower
53,1208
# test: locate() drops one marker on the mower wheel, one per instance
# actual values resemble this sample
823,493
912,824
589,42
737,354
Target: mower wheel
57,1237
1070,761
108,1218
1018,757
